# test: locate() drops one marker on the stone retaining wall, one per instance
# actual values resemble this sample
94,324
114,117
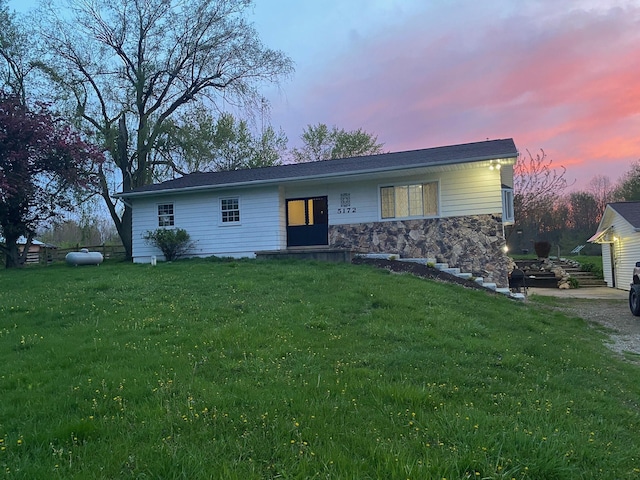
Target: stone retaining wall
472,243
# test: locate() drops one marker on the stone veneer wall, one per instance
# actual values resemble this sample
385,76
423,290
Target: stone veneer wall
472,243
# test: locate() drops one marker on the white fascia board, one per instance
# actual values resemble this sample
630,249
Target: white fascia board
275,181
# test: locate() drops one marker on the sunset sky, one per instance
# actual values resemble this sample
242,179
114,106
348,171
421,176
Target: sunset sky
563,76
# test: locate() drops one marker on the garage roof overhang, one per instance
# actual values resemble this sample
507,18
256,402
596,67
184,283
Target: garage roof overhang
603,236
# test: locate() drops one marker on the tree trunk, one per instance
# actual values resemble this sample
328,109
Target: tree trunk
124,227
125,232
119,153
11,252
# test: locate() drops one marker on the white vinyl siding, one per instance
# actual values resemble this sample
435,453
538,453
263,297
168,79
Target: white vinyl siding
621,255
199,214
470,191
506,175
474,191
626,251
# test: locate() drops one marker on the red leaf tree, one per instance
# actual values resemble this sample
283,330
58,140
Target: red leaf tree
42,165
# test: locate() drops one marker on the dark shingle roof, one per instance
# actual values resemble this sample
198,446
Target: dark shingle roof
448,155
630,211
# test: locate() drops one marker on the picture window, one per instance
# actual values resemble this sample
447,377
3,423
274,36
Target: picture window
404,201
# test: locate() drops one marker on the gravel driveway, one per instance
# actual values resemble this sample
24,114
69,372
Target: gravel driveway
606,307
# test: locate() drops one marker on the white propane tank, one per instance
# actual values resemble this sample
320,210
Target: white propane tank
84,257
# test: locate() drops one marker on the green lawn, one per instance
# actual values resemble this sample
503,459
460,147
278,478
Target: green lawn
248,370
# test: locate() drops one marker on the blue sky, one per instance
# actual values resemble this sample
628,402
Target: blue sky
558,75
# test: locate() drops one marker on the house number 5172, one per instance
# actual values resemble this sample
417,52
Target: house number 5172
347,210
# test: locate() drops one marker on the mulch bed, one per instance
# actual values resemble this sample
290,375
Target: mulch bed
419,270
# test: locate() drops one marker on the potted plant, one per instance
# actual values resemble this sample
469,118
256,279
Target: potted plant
542,248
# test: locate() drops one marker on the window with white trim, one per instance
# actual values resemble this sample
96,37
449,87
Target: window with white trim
230,210
165,215
507,206
403,201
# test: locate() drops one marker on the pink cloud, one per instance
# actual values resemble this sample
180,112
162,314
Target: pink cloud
565,82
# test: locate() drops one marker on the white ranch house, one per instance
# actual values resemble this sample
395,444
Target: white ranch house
448,203
619,236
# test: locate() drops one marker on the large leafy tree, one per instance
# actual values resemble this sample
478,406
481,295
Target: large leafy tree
15,48
129,66
42,163
200,142
629,186
323,143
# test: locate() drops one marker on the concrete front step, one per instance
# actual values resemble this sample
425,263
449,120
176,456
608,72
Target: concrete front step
380,256
466,276
420,261
592,283
451,271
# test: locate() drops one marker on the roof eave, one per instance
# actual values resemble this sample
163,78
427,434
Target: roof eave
599,236
511,158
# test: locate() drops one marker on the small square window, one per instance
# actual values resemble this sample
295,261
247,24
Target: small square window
165,215
230,209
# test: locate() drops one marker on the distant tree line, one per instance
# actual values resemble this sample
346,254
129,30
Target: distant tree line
84,232
546,211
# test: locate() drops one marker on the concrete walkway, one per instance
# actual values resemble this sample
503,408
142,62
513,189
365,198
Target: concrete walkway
603,293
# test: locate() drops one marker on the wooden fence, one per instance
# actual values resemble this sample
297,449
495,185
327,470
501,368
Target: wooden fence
48,255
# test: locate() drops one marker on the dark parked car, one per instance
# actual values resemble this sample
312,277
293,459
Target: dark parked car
634,291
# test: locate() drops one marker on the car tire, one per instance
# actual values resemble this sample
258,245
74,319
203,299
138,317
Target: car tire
634,300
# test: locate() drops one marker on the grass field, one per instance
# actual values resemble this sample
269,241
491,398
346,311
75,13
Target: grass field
248,370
